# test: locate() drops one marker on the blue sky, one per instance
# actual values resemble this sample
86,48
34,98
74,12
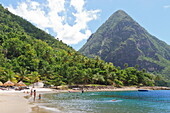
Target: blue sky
74,20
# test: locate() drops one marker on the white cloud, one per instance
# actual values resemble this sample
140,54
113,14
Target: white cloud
54,15
34,5
166,6
32,12
78,4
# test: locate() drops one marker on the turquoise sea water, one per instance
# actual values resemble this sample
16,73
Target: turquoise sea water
157,101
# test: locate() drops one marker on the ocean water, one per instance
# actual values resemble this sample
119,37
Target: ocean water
156,101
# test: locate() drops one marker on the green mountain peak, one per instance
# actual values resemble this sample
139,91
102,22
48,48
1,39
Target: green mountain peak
122,40
120,13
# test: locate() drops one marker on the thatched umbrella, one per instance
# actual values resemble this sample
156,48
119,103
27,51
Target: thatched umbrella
21,84
9,83
1,84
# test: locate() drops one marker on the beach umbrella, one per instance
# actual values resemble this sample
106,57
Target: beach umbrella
9,83
1,84
21,84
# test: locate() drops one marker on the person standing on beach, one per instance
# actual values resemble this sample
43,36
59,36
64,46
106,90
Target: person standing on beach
31,92
34,94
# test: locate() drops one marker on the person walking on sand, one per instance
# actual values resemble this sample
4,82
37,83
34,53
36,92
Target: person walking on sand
34,94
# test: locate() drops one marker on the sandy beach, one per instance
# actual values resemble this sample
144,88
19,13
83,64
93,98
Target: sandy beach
14,102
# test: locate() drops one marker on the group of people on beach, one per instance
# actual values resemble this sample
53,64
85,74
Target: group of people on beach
33,92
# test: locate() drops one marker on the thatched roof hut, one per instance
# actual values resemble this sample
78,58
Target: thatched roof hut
21,84
1,84
9,83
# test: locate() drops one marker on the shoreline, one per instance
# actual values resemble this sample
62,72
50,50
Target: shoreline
126,88
12,101
43,109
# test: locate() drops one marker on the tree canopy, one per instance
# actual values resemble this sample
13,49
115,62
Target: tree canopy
29,54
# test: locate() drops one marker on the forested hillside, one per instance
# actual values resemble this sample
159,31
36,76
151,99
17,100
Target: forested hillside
29,54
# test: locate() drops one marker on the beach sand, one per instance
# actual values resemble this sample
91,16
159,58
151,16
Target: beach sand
14,102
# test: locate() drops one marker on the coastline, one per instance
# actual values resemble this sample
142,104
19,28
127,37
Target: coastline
42,109
16,102
125,88
12,101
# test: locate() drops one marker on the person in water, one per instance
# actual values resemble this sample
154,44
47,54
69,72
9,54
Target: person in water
39,97
82,91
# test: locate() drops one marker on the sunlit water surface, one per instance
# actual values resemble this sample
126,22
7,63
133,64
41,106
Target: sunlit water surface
157,101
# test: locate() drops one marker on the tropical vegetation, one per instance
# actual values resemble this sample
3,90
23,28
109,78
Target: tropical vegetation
30,55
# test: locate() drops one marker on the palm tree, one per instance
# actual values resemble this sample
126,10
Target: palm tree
9,74
126,65
23,74
98,78
136,66
144,70
34,77
85,77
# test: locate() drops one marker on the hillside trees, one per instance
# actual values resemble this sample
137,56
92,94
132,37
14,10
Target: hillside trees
29,54
35,60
